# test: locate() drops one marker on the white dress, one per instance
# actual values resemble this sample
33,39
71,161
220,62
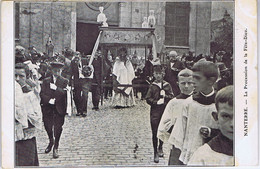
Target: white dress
185,134
205,156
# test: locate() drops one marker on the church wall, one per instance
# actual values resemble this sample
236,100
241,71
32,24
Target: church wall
38,21
87,15
131,14
199,33
58,20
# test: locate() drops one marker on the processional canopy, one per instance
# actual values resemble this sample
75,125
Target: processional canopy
127,36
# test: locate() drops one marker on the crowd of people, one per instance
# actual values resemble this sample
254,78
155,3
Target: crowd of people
181,95
192,110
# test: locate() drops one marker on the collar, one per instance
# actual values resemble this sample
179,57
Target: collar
161,84
202,99
210,94
158,84
183,96
221,144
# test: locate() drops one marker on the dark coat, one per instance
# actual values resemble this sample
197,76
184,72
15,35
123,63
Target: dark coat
60,94
66,72
148,69
45,75
153,95
74,73
171,76
97,71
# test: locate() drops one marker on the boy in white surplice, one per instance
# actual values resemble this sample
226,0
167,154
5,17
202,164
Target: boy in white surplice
197,111
219,150
173,110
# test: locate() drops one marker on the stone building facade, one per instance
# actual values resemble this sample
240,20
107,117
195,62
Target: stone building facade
38,21
183,26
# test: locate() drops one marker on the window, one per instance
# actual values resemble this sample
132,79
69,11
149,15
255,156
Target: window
177,23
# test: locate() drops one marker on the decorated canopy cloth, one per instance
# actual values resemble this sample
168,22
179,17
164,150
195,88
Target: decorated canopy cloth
124,73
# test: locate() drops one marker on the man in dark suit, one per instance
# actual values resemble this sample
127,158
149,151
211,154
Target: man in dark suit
147,75
76,67
172,70
54,105
148,68
96,83
80,83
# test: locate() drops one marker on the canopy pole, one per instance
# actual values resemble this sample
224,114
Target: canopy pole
95,49
154,46
102,75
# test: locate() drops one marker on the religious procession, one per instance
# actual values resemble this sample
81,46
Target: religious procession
130,85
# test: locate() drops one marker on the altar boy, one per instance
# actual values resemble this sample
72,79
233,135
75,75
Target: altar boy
197,111
219,151
173,110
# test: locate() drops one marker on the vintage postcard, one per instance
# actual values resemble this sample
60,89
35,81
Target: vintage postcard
89,84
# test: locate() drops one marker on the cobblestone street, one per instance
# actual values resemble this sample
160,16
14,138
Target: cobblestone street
108,137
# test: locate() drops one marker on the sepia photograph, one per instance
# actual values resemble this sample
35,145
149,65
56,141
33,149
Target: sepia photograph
124,84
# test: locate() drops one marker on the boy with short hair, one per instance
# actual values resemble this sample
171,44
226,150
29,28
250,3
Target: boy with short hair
173,111
196,112
219,151
158,95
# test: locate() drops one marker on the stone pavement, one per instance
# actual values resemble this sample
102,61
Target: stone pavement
108,137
